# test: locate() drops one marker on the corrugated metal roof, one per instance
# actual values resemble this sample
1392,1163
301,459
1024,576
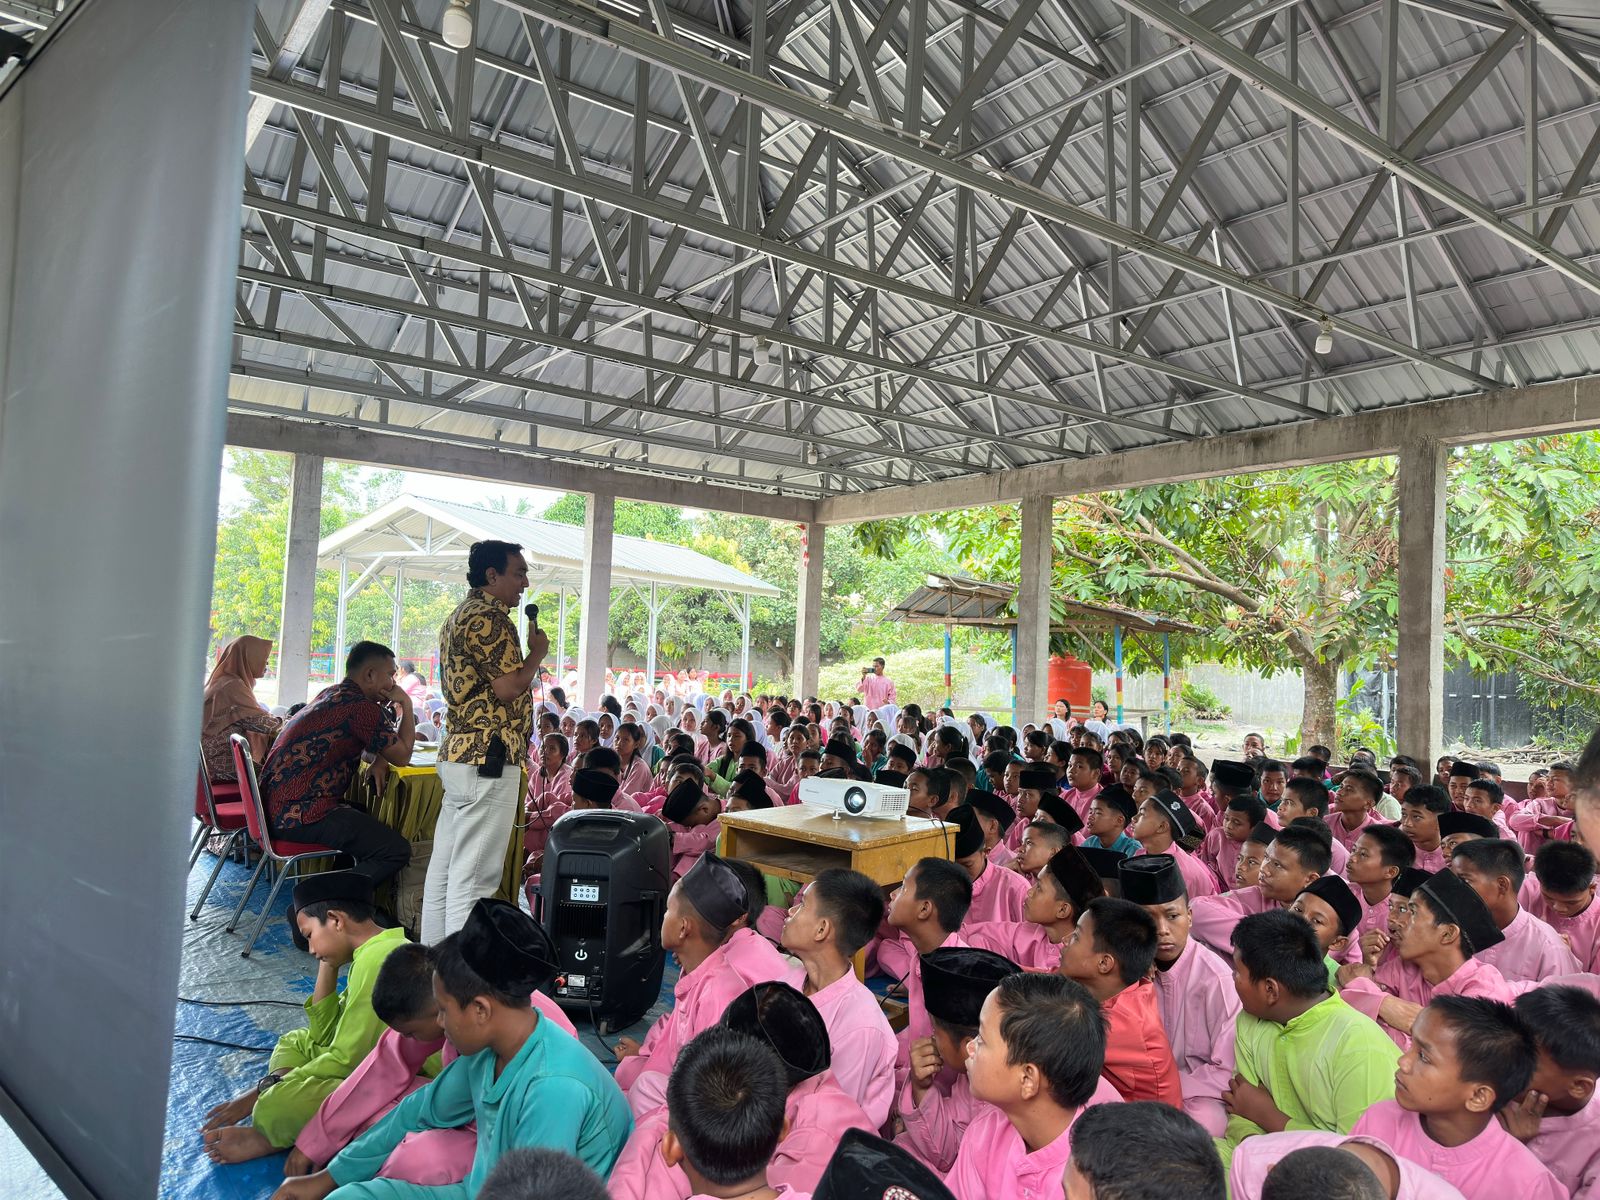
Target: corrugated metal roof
1480,302
431,538
960,600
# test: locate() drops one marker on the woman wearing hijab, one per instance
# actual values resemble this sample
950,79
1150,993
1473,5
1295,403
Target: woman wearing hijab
231,707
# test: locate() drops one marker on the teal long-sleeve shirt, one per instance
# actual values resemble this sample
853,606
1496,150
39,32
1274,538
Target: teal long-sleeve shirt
554,1094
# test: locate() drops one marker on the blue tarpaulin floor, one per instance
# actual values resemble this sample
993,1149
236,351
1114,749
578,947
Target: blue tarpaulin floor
249,1002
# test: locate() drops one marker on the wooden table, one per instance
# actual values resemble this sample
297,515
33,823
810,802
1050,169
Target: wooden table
799,842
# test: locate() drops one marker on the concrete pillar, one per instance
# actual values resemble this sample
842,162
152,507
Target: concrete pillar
300,579
594,630
1033,608
1420,684
808,609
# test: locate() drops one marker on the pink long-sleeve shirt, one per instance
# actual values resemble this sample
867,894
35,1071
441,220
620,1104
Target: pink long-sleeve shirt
1219,854
633,779
1347,837
549,799
390,1073
1024,943
699,999
1255,1157
1570,1148
1199,1007
862,1043
1215,916
997,895
690,842
1394,976
934,1128
1491,1166
1079,799
918,1024
1581,932
818,1114
994,1162
1532,951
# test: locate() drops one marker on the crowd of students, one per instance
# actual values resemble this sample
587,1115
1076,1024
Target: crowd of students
1247,977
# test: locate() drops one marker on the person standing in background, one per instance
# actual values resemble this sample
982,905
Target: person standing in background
876,689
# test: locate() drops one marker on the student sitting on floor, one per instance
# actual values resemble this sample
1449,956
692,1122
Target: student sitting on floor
705,928
1419,821
832,919
1303,1058
1040,842
1143,1149
1294,858
1380,853
1036,1061
1558,1117
1106,819
1530,951
694,817
1110,953
1438,953
1331,909
1195,995
1220,850
1329,1166
817,1112
997,894
1247,871
523,1082
934,1116
1561,893
330,915
1468,1059
1163,823
409,1054
725,1115
1050,912
928,909
995,818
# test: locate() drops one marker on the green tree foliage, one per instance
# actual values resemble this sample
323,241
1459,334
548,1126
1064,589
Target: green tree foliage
1296,569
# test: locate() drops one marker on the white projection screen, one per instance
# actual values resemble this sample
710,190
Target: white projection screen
121,144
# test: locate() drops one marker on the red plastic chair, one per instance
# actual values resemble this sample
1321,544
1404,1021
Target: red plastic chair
224,817
284,855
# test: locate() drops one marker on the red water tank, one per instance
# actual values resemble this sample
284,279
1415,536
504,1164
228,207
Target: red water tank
1068,679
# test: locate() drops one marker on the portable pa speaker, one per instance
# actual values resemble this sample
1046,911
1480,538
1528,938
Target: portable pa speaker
601,896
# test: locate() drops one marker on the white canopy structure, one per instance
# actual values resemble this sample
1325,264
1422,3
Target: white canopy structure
413,537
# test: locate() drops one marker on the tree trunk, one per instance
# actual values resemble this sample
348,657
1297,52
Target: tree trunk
1322,691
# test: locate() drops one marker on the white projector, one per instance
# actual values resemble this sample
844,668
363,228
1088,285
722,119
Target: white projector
852,797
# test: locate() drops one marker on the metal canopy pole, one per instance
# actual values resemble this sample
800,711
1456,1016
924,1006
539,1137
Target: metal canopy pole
399,607
561,632
744,653
650,641
1166,681
1116,650
1013,677
949,690
339,614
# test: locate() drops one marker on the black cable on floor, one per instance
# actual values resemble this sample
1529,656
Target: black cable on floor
204,1041
239,1003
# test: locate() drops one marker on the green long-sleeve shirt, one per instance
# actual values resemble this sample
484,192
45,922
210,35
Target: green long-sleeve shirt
553,1094
1324,1069
343,1028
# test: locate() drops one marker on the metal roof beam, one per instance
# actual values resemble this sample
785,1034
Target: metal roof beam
1554,40
473,458
1224,54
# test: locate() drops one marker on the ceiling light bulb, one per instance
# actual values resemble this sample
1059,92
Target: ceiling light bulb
1324,337
456,28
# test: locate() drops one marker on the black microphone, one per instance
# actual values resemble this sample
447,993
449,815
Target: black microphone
531,611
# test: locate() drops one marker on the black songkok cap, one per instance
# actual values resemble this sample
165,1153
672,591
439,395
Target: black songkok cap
957,979
330,887
1107,864
1408,881
1178,815
1469,770
749,786
1455,903
841,748
1119,798
594,786
1455,821
681,801
716,891
788,1022
1262,834
1151,879
1075,875
1042,779
508,949
1336,894
889,778
969,834
990,805
1058,810
866,1167
1233,774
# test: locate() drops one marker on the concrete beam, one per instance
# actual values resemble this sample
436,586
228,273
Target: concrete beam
594,630
501,466
300,579
1486,417
1033,608
808,611
1420,483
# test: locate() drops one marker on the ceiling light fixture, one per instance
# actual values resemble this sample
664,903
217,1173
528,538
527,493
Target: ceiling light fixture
456,27
1324,337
